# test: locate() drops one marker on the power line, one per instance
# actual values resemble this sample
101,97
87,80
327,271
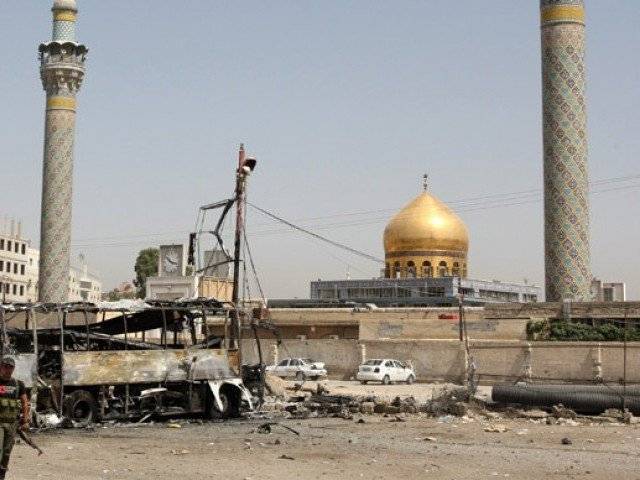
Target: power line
469,204
315,235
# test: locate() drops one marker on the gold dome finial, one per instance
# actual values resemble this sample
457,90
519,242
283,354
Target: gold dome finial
425,180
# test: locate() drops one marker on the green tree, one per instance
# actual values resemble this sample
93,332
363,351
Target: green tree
146,266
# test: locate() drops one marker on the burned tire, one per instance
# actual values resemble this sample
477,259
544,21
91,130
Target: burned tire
80,407
300,377
230,399
386,380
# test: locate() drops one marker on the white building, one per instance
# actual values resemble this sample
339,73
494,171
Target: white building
16,262
83,285
19,267
608,291
172,283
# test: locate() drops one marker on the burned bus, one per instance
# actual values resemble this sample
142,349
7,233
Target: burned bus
124,361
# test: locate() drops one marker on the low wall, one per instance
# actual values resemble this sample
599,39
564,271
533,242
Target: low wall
445,360
446,325
341,357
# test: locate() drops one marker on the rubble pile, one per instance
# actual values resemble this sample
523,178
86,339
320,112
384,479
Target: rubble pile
301,401
451,404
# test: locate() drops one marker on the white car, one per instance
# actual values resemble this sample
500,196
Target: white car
385,370
298,368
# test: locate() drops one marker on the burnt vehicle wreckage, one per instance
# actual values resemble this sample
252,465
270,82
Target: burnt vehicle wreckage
133,360
84,363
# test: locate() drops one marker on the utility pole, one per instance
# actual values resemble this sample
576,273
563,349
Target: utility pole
245,167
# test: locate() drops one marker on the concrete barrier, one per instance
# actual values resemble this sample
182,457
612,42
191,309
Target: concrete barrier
445,360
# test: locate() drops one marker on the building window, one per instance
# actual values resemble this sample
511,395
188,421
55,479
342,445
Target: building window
24,248
1,243
464,270
8,268
1,265
396,270
387,270
15,268
15,289
455,270
411,270
21,290
443,270
427,269
16,247
9,245
21,269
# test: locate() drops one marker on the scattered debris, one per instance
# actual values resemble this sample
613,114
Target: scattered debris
560,411
276,387
535,414
267,428
286,457
498,428
566,441
398,418
568,421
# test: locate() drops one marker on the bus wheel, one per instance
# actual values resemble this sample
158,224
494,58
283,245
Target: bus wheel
230,399
80,407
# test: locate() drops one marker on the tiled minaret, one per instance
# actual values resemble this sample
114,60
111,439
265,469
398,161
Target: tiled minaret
566,183
62,70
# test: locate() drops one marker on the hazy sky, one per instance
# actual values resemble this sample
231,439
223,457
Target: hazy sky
344,103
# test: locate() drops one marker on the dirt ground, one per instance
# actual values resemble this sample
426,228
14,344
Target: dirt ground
333,448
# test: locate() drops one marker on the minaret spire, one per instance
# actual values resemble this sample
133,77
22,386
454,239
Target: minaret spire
566,179
62,71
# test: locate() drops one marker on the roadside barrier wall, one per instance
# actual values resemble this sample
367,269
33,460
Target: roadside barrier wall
447,360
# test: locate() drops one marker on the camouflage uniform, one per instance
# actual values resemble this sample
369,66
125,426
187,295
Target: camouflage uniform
10,407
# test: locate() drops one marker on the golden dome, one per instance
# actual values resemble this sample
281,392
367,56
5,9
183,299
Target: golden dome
425,226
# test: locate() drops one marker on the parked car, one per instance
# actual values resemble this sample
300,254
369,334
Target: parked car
298,368
385,370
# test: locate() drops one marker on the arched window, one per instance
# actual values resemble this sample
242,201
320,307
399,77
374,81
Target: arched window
411,270
387,271
396,270
455,270
443,270
427,269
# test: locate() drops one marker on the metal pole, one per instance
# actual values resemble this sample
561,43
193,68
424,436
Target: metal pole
239,198
34,329
624,365
4,331
126,345
61,320
205,327
460,319
163,337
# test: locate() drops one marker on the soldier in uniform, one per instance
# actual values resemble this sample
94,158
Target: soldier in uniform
14,410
